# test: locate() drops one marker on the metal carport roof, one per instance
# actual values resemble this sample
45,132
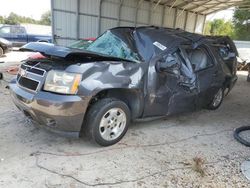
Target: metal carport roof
204,7
76,19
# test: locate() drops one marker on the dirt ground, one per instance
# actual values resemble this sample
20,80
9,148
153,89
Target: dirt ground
191,150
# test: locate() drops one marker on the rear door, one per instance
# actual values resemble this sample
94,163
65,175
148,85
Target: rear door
208,74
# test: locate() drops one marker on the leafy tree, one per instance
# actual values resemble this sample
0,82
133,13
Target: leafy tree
46,18
1,20
241,20
219,27
16,19
12,19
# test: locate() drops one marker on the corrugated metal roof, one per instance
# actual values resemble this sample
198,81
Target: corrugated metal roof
204,7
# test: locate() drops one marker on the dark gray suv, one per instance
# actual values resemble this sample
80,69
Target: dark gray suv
126,74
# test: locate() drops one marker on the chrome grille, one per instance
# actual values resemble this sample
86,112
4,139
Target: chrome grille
33,69
30,77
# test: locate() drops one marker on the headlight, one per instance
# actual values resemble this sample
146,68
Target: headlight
62,82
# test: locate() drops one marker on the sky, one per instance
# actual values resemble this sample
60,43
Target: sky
29,8
225,14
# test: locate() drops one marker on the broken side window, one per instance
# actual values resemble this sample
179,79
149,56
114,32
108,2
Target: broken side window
175,64
169,63
199,59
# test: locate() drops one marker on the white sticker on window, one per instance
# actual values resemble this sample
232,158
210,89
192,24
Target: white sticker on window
160,46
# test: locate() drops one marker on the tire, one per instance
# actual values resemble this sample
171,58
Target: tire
104,118
217,100
1,51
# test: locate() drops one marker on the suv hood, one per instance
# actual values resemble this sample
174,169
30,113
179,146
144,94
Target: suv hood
48,49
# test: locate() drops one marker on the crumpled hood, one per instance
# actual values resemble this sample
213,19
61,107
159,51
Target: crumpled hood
49,49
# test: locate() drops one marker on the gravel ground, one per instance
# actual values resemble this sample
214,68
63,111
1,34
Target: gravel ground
190,150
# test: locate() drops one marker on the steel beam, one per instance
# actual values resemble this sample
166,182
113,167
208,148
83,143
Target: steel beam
185,22
156,5
53,21
195,22
204,23
163,15
99,17
78,20
175,18
119,13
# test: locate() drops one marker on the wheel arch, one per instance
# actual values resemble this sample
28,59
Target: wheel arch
133,98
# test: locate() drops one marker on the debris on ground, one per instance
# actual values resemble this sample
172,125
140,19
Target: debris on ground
198,165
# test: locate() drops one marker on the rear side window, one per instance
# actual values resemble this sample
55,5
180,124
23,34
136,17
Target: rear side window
199,59
18,30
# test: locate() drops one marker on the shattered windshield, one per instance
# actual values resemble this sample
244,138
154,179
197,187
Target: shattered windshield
80,44
111,45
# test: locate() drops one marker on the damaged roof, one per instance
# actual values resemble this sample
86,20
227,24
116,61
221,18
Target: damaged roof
204,7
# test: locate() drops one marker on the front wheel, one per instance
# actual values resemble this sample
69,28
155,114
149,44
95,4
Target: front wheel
217,100
107,121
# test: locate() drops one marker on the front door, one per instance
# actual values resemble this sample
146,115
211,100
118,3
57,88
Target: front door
171,86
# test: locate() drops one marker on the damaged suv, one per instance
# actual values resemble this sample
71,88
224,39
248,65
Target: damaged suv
124,75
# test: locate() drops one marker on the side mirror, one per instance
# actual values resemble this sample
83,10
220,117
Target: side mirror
1,76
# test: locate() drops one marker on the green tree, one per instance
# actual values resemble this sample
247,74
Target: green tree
46,18
16,19
1,20
241,21
12,19
219,27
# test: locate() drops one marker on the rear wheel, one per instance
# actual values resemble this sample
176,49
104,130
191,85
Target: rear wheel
1,51
217,100
107,121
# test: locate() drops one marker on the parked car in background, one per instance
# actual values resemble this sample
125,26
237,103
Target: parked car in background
19,35
5,46
126,74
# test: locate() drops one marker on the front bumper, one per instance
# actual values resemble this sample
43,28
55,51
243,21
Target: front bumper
62,114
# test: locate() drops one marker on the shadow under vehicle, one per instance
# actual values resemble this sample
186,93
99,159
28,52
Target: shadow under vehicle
125,75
